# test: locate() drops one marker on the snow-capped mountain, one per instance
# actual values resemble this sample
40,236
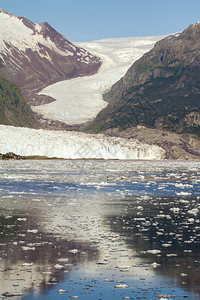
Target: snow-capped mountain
36,55
73,145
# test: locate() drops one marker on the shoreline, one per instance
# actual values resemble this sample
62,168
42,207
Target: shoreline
13,156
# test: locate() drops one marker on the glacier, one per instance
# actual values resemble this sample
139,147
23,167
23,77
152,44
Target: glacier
73,145
79,100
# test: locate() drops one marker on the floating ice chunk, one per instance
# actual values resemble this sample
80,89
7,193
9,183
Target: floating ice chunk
161,297
21,219
7,294
140,208
155,264
139,219
181,185
166,245
8,217
57,266
63,259
183,274
124,268
73,251
189,242
28,248
191,220
184,201
32,230
175,209
183,194
121,286
62,291
160,233
154,251
160,216
193,211
108,280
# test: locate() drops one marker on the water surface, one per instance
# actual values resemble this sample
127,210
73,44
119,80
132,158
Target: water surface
100,229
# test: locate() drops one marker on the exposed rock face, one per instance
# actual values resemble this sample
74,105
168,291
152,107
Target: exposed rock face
161,90
176,146
10,155
35,55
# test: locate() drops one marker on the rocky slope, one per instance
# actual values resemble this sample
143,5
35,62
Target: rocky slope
176,146
35,55
161,90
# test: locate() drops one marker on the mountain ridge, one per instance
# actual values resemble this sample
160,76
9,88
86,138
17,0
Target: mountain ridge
160,90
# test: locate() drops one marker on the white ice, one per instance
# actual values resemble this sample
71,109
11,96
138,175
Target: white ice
73,145
80,100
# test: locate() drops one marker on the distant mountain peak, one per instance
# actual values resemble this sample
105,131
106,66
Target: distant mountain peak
6,12
196,24
34,55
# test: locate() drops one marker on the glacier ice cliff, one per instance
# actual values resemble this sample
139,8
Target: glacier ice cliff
73,145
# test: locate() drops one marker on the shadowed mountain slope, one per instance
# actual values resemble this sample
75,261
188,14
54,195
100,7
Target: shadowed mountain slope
14,110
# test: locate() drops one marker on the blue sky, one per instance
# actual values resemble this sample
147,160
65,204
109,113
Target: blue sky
86,20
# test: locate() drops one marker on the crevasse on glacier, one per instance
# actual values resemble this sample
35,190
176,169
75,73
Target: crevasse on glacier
73,145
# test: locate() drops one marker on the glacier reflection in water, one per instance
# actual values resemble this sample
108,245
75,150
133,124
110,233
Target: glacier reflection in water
100,229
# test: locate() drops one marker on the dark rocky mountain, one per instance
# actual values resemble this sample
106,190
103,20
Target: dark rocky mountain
161,90
35,55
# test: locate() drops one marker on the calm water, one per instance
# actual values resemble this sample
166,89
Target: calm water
100,229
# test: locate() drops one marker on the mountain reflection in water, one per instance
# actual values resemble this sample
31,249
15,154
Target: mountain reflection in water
100,229
34,260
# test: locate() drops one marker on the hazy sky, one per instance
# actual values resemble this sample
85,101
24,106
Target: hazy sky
86,20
